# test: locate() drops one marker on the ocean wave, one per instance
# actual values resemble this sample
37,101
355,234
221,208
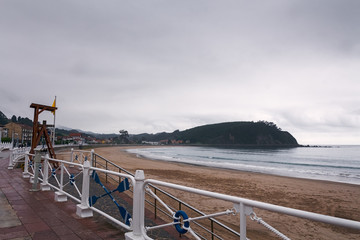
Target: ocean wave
301,162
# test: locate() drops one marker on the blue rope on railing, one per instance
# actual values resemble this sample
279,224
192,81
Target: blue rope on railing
72,179
53,172
123,186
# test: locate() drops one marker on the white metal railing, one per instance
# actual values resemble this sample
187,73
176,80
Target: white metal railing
5,146
17,154
242,208
65,176
80,156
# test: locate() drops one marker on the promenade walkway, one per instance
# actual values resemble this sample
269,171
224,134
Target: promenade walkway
35,215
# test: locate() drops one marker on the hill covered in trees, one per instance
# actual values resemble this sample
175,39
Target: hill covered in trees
244,133
259,133
4,120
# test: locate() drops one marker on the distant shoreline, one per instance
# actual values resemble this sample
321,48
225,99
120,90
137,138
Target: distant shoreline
228,146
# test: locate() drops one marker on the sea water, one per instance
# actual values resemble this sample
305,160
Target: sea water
334,163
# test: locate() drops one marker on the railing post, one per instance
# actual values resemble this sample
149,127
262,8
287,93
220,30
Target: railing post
11,166
106,175
45,185
92,157
60,196
12,142
37,162
212,229
26,166
72,157
119,176
61,176
155,204
83,210
242,222
137,223
244,211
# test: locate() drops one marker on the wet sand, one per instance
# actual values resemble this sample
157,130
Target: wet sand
335,199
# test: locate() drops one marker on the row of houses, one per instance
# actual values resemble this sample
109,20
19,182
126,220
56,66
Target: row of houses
78,138
20,133
75,138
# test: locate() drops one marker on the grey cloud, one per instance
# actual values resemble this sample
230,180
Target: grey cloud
165,65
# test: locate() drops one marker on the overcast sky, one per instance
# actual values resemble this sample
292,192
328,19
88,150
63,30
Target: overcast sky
156,65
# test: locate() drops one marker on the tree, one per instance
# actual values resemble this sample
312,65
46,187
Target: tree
25,121
270,124
3,119
14,119
124,136
5,139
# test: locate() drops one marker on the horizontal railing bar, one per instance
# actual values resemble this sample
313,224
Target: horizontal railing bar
58,160
81,151
267,206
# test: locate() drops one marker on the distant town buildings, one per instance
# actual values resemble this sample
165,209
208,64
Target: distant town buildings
72,138
21,133
80,139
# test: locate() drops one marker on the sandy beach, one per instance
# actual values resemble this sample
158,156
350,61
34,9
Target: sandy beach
335,199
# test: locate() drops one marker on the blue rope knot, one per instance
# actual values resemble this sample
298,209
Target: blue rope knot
177,217
72,179
53,173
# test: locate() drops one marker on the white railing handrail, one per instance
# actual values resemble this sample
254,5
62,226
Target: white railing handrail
81,151
16,154
242,206
5,145
125,175
266,206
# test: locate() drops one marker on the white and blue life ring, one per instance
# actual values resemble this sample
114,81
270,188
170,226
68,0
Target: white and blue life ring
185,227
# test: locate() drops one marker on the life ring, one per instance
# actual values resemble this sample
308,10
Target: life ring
185,227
